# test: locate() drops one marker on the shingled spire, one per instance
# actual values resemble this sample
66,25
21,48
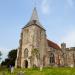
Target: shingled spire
34,19
34,15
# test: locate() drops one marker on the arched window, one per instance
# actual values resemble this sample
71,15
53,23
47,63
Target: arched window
26,53
52,58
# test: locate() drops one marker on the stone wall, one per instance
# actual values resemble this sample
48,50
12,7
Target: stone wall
32,37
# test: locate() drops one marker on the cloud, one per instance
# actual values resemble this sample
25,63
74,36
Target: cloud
4,52
70,3
69,39
45,7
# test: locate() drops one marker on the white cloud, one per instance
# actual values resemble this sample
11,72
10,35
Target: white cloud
45,7
70,3
69,39
4,52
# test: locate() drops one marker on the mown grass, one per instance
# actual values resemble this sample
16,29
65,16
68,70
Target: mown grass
45,71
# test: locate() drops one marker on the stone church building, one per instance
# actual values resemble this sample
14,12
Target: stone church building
36,50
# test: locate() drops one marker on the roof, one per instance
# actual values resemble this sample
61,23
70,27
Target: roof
34,18
34,22
34,15
52,44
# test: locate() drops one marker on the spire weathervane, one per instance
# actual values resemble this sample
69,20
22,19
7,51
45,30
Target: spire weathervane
35,3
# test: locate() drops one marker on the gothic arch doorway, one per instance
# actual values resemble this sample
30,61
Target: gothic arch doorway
26,64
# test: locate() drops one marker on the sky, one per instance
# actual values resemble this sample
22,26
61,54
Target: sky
57,16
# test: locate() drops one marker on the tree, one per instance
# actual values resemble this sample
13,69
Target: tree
0,55
11,58
35,52
5,63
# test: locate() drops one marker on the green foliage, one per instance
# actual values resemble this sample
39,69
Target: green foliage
11,58
0,55
35,52
5,63
12,54
45,71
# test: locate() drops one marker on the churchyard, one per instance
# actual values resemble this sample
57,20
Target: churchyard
36,71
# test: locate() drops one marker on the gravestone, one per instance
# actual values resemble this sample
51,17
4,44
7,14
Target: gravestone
12,69
41,68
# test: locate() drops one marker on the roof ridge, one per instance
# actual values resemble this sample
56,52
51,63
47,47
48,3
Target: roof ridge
53,44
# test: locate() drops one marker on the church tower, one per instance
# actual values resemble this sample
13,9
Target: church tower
33,44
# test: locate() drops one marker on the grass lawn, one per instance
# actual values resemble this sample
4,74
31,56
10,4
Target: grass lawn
45,71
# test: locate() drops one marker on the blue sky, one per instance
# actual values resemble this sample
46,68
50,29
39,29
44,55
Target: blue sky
57,16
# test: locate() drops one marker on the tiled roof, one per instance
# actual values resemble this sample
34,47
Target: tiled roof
53,45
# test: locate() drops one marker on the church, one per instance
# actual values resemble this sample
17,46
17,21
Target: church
35,50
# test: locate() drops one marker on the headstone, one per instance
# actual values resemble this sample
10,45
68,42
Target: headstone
12,69
71,65
41,68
